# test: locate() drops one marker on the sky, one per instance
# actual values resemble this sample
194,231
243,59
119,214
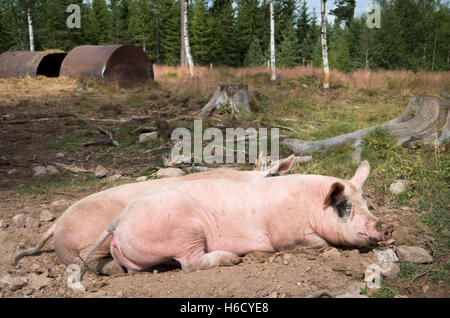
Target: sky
361,6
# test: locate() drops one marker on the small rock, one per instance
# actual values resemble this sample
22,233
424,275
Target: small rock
413,254
304,86
348,295
9,172
13,283
115,177
308,268
39,171
285,262
100,171
148,137
59,155
39,281
19,220
119,294
30,223
143,178
399,186
333,252
155,271
385,255
27,291
51,170
60,203
3,225
273,295
389,270
429,238
355,288
170,172
46,216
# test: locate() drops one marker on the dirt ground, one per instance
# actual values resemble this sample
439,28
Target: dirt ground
298,273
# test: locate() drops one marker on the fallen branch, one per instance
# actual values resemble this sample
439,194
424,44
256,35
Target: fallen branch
111,141
100,120
157,148
72,168
425,119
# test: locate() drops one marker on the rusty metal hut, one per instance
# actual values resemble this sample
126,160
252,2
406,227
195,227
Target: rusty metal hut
111,63
23,63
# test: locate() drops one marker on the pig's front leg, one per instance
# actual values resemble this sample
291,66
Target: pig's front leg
202,260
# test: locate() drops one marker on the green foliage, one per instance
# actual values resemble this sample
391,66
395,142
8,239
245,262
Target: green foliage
414,35
254,56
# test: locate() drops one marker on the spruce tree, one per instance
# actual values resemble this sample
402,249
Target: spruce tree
254,56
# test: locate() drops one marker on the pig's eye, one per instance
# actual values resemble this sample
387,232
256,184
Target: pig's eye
343,209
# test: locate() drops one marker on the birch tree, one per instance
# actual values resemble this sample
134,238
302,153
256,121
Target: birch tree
30,29
185,40
326,69
272,43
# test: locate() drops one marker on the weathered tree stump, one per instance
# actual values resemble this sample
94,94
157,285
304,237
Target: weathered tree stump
236,95
425,119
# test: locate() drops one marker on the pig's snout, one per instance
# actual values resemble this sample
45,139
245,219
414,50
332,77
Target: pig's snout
385,231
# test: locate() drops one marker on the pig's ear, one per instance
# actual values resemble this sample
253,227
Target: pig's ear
361,174
282,166
336,192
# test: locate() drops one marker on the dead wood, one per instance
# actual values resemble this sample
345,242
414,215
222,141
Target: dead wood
236,95
110,141
425,119
100,120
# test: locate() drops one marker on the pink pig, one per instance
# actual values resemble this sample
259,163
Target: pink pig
81,224
207,223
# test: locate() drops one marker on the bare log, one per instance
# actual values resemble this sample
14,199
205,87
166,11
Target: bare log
236,95
100,120
110,141
425,119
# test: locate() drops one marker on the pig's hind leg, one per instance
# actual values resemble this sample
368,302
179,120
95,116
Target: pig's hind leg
202,260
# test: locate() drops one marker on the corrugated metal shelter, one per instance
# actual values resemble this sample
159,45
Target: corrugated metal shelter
23,63
111,63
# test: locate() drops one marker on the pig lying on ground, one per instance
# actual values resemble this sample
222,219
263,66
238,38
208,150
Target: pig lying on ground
82,223
207,223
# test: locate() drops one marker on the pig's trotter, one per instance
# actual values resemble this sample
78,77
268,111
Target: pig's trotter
35,249
209,260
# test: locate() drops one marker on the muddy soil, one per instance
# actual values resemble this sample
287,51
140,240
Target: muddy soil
297,273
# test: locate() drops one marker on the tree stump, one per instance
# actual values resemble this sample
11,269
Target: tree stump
236,95
425,119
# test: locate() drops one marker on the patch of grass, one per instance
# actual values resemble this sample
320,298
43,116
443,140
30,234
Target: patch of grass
437,273
385,292
62,180
428,170
171,74
71,141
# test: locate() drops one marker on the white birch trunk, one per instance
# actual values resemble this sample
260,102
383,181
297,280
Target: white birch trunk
183,47
326,69
272,43
189,60
30,28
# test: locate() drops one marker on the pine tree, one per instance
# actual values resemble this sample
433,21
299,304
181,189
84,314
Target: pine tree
344,11
99,22
170,31
254,56
287,50
200,33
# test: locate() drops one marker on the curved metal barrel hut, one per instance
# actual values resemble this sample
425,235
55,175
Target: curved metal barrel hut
23,63
111,63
